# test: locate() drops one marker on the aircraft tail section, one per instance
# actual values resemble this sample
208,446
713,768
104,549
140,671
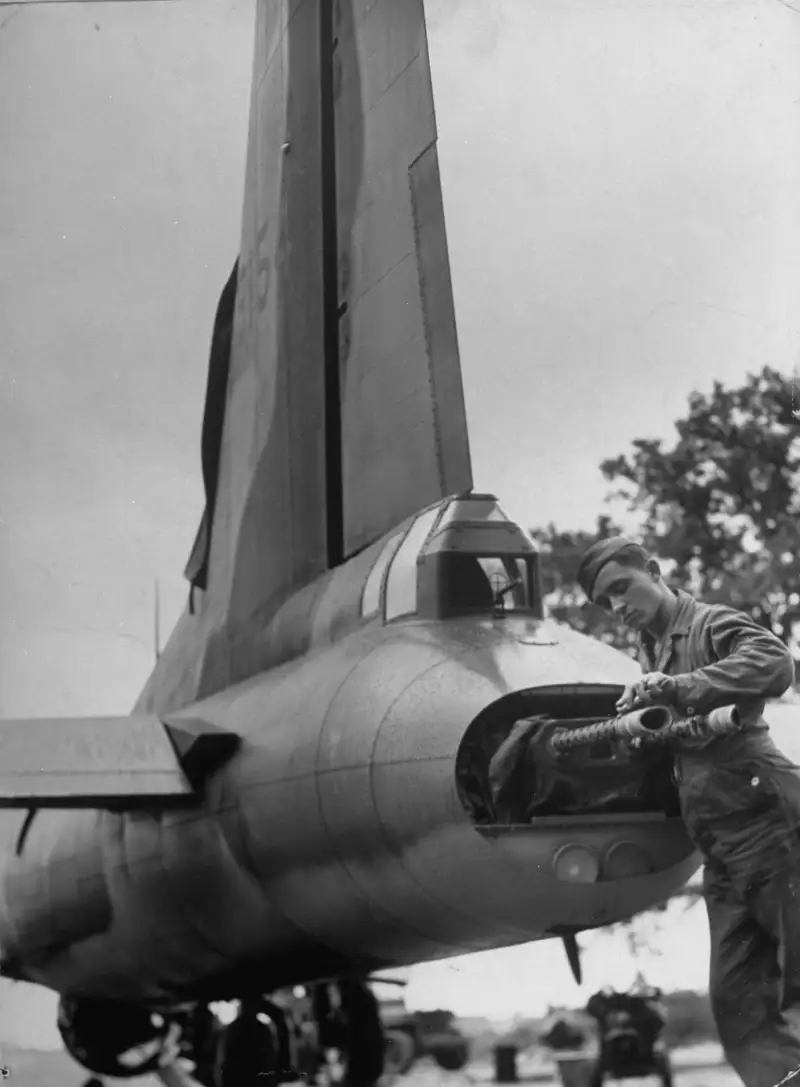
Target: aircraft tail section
340,410
270,511
404,434
334,406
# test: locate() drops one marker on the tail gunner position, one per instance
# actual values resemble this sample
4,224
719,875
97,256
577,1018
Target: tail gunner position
740,797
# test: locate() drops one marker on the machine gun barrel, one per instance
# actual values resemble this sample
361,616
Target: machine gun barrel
651,724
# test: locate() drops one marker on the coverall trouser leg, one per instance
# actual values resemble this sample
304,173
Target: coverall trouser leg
755,976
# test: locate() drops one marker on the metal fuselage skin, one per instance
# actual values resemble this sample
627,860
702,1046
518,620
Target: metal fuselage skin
335,840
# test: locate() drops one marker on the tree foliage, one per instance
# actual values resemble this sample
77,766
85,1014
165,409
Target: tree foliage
561,555
721,504
689,1018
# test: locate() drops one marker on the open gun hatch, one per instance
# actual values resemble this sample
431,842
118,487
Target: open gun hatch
609,777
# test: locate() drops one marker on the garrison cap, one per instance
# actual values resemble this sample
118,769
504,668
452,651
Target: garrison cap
599,554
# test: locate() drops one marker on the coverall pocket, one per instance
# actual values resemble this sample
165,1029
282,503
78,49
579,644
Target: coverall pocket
735,815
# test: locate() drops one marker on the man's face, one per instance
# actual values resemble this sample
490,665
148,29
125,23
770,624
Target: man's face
634,595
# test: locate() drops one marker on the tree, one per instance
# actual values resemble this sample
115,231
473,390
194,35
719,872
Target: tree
689,1018
561,555
722,503
644,930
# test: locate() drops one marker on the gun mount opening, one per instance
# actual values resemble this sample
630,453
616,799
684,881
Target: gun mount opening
604,778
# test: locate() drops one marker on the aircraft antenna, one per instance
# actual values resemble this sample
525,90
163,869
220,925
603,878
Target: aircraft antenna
157,622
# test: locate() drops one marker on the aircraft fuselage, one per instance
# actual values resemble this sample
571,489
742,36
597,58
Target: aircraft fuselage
335,840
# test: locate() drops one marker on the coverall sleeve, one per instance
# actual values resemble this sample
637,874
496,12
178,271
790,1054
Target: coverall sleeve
751,663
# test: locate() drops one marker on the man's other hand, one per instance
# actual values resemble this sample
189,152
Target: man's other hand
653,689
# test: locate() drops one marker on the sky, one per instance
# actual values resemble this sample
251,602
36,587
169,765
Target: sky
622,199
526,981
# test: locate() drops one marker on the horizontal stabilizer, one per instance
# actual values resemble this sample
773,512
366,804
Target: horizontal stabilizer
120,763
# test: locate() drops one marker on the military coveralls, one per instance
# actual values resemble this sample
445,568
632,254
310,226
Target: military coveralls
740,799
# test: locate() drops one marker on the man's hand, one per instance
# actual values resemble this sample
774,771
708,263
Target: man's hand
653,689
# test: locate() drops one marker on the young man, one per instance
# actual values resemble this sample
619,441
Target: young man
740,798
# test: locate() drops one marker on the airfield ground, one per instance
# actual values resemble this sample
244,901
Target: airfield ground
34,1069
430,1076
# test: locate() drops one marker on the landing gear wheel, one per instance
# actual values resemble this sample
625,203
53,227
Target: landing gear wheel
398,1054
349,1021
451,1058
111,1038
252,1052
202,1044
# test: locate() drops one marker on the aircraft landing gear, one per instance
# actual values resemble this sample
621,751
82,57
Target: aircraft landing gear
123,1040
255,1050
349,1022
113,1039
399,1052
272,1041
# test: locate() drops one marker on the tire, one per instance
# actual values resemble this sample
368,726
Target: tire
247,1050
364,1046
451,1058
98,1033
354,1028
399,1052
204,1045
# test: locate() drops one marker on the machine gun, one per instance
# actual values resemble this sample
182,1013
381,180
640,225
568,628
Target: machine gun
544,761
652,724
